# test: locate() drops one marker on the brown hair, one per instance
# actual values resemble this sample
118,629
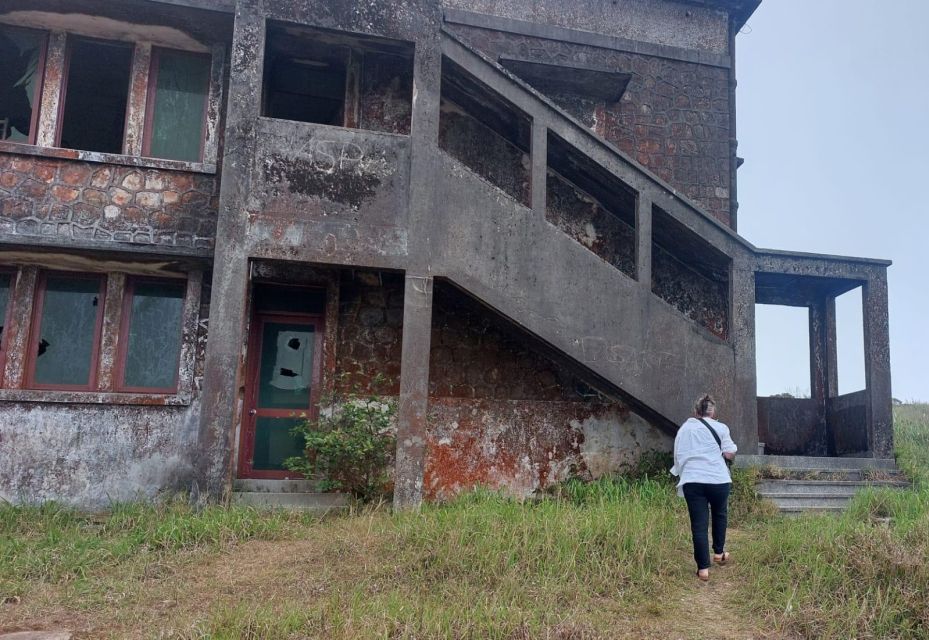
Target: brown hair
704,405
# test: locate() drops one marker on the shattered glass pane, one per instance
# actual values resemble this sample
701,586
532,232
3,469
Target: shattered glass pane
286,370
67,331
20,50
154,343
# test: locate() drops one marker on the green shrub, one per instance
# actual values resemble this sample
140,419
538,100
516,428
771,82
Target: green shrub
351,447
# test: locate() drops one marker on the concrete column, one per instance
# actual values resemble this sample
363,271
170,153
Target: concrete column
823,356
21,302
742,335
225,345
109,339
414,392
52,82
643,245
824,362
877,365
539,179
133,139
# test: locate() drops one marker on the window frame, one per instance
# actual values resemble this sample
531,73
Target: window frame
70,39
37,92
122,343
6,319
150,98
38,306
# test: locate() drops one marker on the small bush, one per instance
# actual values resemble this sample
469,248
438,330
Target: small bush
351,447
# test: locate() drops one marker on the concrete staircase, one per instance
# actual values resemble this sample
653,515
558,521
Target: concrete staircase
294,495
797,484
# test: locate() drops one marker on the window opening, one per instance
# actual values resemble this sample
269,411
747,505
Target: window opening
690,273
97,91
66,338
151,335
305,78
782,350
485,132
178,88
849,314
23,54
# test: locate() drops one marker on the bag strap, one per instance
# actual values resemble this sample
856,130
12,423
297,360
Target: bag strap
706,424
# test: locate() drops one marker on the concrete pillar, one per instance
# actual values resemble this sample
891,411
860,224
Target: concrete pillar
643,245
133,139
877,365
744,425
414,392
824,363
539,178
225,345
823,356
52,82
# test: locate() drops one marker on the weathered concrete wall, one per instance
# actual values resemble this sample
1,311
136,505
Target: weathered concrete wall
674,118
321,191
792,426
51,200
704,301
664,23
92,455
847,417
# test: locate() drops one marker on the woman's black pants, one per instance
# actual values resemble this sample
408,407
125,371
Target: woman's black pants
702,498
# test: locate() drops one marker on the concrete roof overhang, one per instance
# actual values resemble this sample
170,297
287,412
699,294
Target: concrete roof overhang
739,10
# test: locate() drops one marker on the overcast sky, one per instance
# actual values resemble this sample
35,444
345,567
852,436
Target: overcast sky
833,123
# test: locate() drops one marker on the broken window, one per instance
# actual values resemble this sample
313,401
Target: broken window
176,117
151,335
66,335
23,54
96,95
305,78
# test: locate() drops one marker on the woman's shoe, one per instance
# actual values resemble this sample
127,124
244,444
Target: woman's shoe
703,574
721,558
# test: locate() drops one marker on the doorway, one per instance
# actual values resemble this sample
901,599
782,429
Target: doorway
282,390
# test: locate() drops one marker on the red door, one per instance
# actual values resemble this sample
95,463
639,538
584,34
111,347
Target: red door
282,390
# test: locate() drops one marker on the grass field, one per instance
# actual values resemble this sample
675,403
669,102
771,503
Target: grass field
609,559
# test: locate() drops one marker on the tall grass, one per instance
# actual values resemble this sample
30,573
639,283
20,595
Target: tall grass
864,574
54,544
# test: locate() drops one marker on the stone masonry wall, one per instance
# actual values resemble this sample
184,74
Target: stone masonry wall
502,414
673,118
60,199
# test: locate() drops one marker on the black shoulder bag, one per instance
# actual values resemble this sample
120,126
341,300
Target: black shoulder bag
716,438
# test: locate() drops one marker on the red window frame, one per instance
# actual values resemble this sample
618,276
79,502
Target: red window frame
36,331
37,91
8,316
123,342
65,80
152,90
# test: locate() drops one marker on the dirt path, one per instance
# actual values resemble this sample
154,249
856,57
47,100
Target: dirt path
709,610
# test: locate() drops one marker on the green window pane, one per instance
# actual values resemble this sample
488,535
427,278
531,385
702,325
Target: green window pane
20,50
154,343
5,281
286,369
67,331
180,99
274,443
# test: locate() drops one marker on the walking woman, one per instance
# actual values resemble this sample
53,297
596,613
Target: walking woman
702,449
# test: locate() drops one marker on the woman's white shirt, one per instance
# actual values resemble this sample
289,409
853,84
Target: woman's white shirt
697,457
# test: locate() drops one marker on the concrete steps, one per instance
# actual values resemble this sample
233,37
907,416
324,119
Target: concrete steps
802,484
293,495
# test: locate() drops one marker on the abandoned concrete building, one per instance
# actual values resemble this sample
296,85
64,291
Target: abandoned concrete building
518,217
